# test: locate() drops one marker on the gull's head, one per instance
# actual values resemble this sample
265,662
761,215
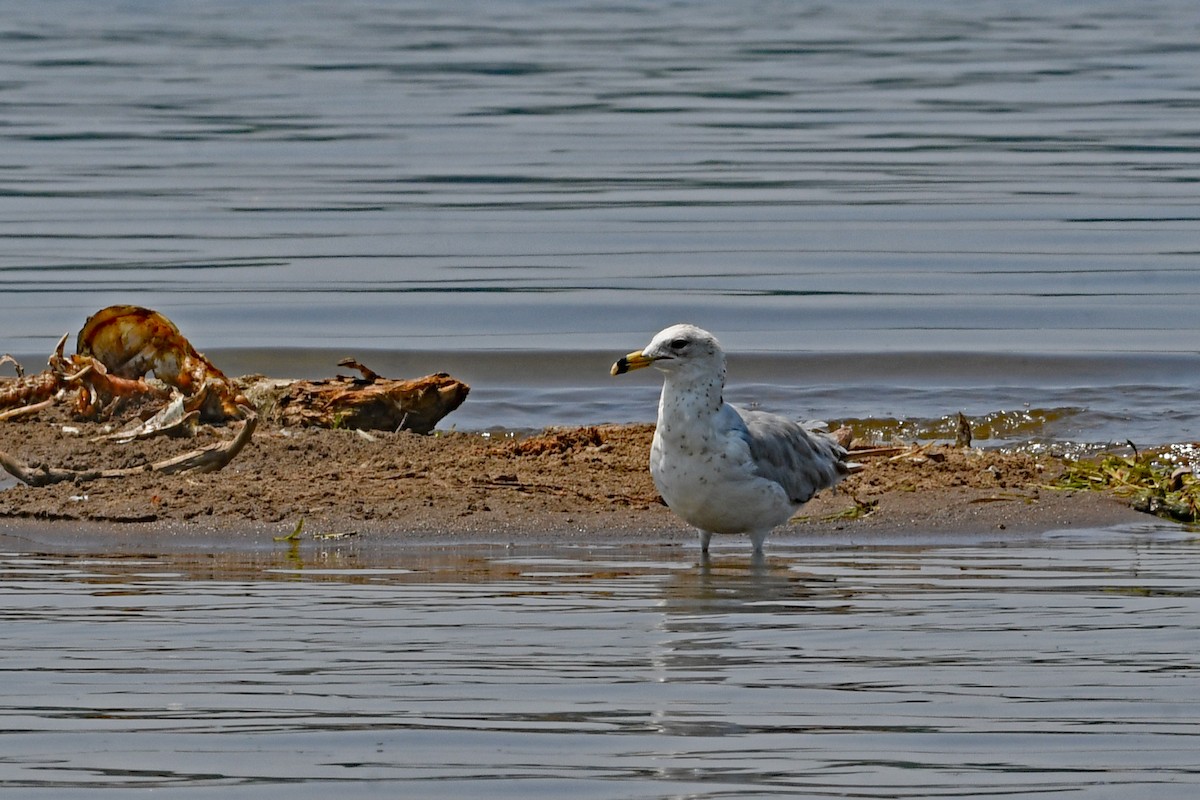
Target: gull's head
683,350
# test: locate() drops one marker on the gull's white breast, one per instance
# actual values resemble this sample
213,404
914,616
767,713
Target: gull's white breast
706,474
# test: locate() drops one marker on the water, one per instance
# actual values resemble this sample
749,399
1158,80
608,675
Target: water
475,175
1058,666
933,182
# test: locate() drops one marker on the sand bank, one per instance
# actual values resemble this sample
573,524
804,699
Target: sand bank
571,484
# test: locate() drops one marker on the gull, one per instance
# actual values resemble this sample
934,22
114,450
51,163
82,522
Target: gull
721,468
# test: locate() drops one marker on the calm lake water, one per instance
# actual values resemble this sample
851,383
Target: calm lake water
1058,666
875,179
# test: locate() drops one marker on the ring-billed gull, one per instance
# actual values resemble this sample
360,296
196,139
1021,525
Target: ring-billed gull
722,468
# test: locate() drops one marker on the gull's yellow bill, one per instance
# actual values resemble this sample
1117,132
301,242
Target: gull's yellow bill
634,360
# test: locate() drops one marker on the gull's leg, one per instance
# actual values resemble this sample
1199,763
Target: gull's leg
757,538
705,536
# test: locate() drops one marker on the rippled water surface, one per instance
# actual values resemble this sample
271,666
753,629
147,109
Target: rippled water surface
1061,666
799,176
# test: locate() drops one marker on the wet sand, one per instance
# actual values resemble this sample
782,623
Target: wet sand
565,485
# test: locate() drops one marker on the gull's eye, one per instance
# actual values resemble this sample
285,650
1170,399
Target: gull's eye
679,344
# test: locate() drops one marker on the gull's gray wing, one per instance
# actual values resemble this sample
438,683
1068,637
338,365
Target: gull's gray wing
800,460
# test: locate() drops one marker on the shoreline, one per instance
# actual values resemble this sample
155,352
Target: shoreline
562,486
953,521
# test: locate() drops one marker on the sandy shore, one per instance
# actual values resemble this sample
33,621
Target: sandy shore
564,485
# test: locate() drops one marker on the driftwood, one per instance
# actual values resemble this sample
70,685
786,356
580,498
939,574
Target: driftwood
119,345
97,392
174,420
206,459
33,408
962,432
24,390
371,402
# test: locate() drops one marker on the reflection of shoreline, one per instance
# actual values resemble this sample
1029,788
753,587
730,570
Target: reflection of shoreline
348,562
685,586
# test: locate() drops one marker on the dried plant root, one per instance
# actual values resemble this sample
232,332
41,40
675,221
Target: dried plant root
206,459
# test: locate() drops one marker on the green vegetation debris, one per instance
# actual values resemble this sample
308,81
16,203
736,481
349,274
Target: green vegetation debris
1154,482
294,536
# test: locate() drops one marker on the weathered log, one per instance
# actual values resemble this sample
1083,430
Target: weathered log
205,459
371,402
